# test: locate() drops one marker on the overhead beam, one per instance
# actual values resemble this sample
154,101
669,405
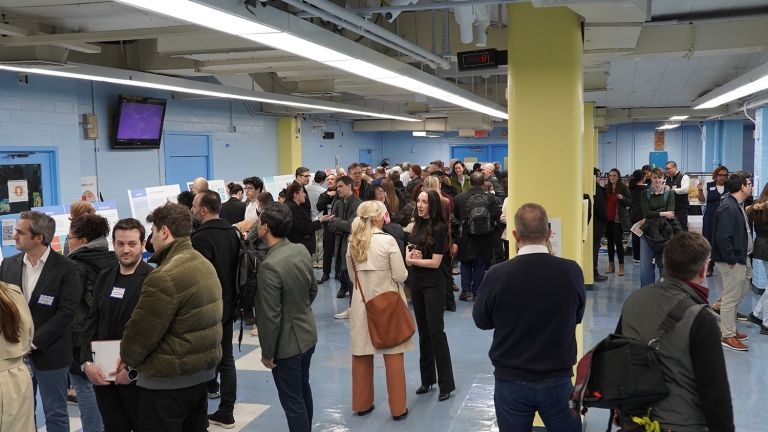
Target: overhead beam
21,33
31,39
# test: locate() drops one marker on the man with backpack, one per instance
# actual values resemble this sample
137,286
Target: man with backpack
476,212
690,355
219,243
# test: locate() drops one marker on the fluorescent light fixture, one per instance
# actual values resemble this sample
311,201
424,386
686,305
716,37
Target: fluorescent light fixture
206,16
751,82
425,134
669,125
298,46
678,117
364,69
190,88
202,15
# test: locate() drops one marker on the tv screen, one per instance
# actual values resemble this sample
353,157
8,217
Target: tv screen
139,122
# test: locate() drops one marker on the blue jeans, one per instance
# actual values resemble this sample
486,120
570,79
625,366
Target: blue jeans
517,402
53,393
761,310
292,381
647,266
472,273
86,401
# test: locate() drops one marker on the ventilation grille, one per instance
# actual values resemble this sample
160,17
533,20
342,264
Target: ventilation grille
37,64
315,94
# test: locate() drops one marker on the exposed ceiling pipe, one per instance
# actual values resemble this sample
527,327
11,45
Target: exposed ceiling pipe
735,16
365,25
431,61
445,49
421,7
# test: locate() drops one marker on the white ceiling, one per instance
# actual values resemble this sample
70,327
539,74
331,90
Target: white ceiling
617,80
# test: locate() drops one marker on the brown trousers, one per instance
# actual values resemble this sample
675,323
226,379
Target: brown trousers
362,382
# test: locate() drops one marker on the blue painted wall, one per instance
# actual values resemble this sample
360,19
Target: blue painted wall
628,146
318,153
403,146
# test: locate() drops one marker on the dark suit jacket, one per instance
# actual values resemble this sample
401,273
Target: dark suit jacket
303,228
219,243
600,213
59,280
731,242
97,323
306,205
234,210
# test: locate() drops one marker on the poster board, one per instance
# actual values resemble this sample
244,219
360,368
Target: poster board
61,216
108,210
218,186
275,184
143,201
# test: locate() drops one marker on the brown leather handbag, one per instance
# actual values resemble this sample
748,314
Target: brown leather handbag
389,321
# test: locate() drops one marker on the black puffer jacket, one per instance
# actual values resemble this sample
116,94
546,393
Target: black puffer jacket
657,231
92,258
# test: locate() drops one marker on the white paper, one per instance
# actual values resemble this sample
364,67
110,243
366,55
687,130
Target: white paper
556,240
108,210
218,186
275,184
636,230
90,189
18,191
9,227
105,354
143,201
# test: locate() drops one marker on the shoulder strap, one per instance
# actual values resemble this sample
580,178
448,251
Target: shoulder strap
675,315
357,281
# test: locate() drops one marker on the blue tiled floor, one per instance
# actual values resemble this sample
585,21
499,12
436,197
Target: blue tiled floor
471,405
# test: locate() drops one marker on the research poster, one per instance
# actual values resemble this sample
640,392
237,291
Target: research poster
275,184
143,201
108,210
90,191
61,216
218,186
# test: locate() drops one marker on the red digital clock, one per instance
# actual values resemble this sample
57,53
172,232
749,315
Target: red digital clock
480,59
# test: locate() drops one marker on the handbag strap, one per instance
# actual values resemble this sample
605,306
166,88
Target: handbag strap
357,280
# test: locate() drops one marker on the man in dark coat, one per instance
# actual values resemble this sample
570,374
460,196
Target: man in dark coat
600,221
474,250
219,243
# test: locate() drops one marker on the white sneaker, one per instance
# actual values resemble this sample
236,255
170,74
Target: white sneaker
255,331
343,315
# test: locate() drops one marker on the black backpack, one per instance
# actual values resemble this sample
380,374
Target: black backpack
623,373
479,215
245,281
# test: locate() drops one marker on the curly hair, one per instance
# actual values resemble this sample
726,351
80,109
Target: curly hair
89,227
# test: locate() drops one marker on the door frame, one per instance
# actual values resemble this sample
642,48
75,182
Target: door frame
167,157
53,160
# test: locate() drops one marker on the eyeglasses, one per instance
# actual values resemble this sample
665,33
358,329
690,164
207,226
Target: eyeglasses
68,238
250,188
306,176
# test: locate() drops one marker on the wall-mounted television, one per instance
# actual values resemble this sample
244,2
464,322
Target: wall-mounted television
138,122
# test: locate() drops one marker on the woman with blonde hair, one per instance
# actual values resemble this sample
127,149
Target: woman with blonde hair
378,267
79,208
17,409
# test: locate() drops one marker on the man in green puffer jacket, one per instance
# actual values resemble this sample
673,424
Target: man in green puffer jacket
173,339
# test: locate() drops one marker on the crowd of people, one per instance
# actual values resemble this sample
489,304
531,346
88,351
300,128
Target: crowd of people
402,229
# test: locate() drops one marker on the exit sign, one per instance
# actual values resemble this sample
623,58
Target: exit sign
481,133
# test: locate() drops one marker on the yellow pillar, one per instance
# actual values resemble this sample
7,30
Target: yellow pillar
546,117
589,188
288,145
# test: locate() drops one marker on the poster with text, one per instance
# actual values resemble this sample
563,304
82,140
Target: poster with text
61,215
18,191
275,184
143,201
90,191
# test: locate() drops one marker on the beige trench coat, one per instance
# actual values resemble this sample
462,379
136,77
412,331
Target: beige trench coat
16,398
383,271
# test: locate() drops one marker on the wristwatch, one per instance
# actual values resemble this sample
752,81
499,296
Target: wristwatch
133,374
84,365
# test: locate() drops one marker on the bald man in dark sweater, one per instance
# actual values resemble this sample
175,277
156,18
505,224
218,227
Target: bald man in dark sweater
533,303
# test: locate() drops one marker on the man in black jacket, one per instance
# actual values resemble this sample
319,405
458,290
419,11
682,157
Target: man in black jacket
219,243
52,286
691,356
324,205
599,222
475,251
533,303
730,252
116,293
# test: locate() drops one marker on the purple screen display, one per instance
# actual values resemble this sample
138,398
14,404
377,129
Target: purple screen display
140,121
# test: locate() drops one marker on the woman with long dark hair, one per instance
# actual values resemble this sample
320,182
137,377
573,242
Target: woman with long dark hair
636,187
428,244
617,199
758,214
16,331
303,227
711,194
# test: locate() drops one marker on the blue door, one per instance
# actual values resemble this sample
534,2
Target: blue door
187,156
366,156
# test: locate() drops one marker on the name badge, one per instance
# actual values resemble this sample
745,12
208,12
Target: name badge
713,188
117,292
45,300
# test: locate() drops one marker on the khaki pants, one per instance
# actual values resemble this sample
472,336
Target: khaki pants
362,382
735,288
